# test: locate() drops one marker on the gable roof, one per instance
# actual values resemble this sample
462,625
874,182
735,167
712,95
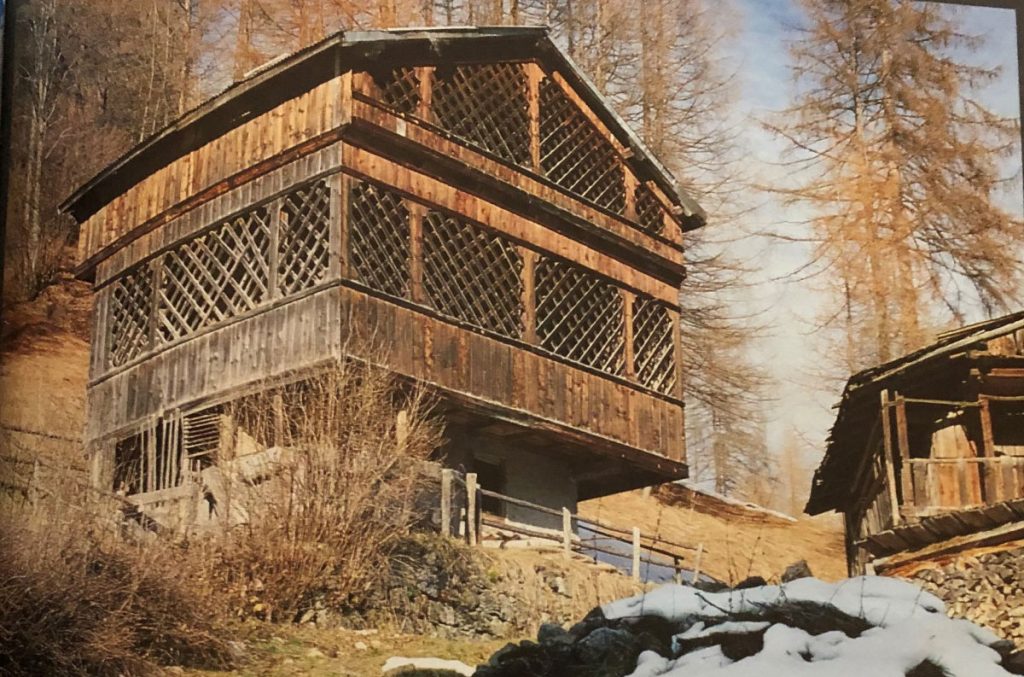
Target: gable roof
291,75
831,479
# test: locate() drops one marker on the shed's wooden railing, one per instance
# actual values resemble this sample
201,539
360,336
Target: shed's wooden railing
945,483
462,515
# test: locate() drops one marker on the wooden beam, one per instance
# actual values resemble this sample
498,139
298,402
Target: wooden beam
447,478
416,212
1004,533
425,75
471,509
903,444
529,295
627,304
890,464
534,75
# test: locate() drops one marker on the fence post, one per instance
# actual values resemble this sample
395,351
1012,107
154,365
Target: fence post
696,563
566,532
446,501
676,575
636,554
471,534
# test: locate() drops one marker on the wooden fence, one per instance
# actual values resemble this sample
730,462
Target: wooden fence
462,516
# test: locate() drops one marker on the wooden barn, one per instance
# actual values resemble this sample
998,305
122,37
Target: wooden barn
927,451
465,195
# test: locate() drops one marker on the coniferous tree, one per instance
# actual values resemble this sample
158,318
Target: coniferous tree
901,166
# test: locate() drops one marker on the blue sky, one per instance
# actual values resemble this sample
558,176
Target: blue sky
759,56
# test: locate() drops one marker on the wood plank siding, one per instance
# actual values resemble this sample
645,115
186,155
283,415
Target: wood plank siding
528,269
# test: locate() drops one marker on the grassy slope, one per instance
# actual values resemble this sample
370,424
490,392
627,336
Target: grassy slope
737,545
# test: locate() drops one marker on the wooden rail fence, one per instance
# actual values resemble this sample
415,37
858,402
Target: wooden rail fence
462,515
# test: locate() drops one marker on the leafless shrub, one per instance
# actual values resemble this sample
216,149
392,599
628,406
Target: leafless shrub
346,449
76,598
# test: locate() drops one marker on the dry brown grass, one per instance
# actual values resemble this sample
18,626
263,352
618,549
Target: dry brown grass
75,598
78,596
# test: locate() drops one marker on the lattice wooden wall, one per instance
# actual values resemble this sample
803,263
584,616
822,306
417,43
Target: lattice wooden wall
488,106
472,275
131,307
575,155
303,241
580,316
217,275
222,272
378,227
654,353
399,89
649,212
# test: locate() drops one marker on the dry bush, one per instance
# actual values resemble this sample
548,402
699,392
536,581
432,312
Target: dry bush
77,598
319,526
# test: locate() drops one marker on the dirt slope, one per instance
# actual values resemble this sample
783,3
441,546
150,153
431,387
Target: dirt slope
44,363
738,542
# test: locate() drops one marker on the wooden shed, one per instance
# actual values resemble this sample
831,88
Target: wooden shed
929,448
464,194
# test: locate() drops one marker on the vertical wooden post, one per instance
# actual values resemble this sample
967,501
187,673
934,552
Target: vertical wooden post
277,216
630,187
534,76
636,554
471,489
696,563
344,225
446,501
425,74
529,296
994,489
677,577
677,348
627,305
416,213
890,463
337,256
156,272
277,402
987,441
566,532
903,443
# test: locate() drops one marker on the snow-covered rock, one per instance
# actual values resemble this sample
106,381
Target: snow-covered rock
860,627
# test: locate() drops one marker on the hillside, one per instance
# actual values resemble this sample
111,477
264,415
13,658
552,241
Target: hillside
738,541
44,364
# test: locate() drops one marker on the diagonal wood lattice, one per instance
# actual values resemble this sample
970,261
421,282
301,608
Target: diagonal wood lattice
131,303
487,106
303,241
579,316
379,238
649,212
472,275
575,155
219,274
399,89
654,345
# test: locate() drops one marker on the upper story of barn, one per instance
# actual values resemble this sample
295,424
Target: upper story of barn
465,196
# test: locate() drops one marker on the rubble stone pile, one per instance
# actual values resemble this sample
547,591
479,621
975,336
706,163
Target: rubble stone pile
861,626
